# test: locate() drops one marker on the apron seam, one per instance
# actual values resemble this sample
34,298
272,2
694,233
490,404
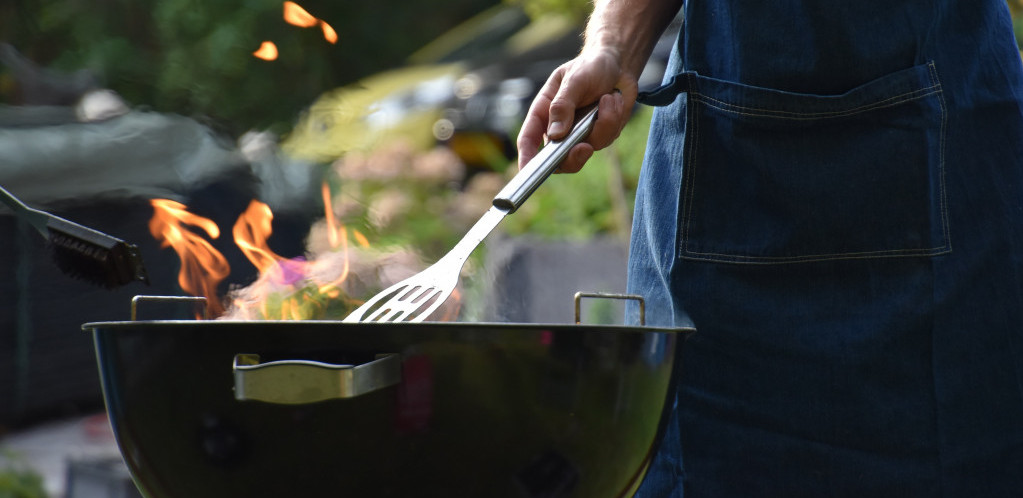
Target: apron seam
932,68
804,116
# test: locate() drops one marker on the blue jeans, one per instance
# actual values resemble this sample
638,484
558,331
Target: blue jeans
847,238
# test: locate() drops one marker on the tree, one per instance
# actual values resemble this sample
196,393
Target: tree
195,57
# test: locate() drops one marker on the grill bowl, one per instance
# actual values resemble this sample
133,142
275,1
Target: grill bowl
496,410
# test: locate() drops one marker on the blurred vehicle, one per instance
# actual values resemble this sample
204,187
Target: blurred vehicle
482,119
403,102
469,90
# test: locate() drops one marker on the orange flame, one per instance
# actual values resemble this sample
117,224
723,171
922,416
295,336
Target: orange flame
328,33
251,232
328,211
267,51
297,16
286,289
337,235
360,239
202,266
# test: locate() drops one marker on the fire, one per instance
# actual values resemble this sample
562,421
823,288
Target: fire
337,236
278,276
202,266
250,233
267,51
287,289
295,15
328,33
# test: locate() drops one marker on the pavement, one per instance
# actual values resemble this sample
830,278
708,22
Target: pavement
49,447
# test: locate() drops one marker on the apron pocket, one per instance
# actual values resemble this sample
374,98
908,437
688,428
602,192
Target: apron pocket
779,177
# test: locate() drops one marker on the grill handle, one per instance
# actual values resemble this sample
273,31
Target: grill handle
299,382
199,301
606,295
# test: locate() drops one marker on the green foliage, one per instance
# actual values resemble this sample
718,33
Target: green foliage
432,216
576,9
1016,11
195,57
18,481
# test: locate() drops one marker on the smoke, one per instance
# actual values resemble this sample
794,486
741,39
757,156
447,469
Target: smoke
390,213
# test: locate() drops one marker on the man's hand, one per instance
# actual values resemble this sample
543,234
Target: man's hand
594,76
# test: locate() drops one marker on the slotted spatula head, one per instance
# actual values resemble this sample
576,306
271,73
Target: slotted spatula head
412,299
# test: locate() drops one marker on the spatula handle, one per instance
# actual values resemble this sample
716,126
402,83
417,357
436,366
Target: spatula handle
542,165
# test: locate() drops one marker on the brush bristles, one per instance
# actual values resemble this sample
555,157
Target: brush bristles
94,256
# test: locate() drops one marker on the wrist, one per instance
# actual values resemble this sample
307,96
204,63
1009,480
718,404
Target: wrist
628,30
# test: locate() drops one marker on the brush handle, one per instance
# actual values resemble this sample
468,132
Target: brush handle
12,202
34,217
542,165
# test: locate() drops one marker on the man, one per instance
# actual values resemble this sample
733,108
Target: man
833,195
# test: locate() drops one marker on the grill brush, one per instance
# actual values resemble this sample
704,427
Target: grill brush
82,252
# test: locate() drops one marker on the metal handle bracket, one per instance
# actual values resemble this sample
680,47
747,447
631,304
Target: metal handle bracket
298,382
606,295
135,301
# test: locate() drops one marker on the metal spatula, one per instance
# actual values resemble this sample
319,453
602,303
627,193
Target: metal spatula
429,288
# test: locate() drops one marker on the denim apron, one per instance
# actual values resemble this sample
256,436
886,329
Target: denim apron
833,196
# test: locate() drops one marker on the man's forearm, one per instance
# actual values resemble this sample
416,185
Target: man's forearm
630,28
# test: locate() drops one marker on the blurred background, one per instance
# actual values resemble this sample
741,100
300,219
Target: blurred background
348,143
335,146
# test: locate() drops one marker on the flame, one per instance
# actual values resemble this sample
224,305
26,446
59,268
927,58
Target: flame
267,51
251,232
286,289
328,211
202,266
328,33
337,235
295,15
360,239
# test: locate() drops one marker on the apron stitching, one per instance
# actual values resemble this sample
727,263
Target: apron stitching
690,174
780,114
941,158
821,257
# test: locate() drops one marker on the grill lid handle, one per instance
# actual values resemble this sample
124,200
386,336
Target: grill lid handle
299,382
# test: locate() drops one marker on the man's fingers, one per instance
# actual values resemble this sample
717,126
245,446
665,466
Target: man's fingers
576,158
611,115
563,107
552,113
534,126
610,120
562,116
530,139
